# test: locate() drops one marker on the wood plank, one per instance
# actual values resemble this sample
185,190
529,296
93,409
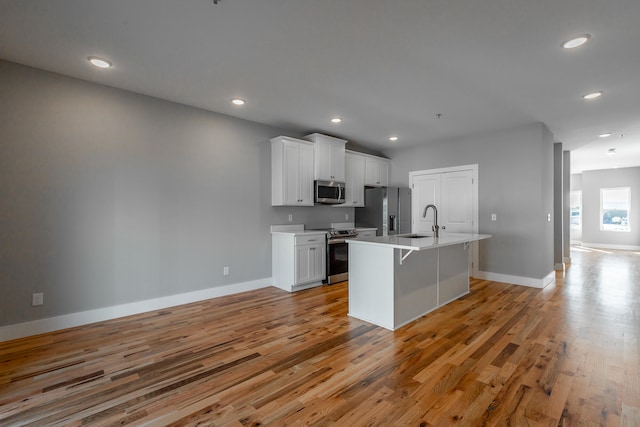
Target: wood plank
501,355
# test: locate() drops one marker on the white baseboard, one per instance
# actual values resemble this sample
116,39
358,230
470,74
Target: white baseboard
518,280
71,320
608,246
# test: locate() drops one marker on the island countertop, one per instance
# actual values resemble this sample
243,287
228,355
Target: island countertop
419,241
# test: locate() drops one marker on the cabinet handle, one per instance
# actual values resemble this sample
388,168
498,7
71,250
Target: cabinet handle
313,240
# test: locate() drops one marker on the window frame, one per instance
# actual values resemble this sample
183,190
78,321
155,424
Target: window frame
621,228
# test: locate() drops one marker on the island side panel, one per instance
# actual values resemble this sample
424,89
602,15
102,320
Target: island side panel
416,285
454,273
371,284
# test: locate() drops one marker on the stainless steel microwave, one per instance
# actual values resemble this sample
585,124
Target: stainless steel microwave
329,192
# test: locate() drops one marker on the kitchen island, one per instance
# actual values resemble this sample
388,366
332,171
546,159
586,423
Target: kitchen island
396,279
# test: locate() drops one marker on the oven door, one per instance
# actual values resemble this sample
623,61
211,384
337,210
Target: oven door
337,261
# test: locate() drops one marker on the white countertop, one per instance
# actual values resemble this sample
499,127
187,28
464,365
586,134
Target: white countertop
294,230
299,230
419,243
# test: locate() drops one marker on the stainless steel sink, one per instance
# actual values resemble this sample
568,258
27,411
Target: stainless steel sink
414,236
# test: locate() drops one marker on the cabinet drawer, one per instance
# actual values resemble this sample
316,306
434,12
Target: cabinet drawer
310,239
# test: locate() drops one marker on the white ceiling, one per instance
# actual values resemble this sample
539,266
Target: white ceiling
386,67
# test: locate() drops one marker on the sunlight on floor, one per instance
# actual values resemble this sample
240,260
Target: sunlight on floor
586,249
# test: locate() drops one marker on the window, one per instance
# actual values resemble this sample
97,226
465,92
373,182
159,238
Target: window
615,204
575,205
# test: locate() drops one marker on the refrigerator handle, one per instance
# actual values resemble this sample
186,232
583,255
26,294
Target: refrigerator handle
393,223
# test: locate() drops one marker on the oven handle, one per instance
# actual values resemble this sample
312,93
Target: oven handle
335,241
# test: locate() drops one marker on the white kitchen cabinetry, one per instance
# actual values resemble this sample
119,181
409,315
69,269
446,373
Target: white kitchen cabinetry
291,172
311,256
354,169
298,260
376,172
329,158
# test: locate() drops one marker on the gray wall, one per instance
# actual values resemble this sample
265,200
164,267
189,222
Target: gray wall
558,247
592,182
109,197
515,168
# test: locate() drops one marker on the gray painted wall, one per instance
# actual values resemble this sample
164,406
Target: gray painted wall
592,182
515,182
109,197
558,247
566,205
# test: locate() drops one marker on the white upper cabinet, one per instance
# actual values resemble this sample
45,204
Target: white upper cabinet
354,180
376,172
329,160
291,172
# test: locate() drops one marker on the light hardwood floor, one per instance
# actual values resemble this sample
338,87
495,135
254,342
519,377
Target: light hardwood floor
502,355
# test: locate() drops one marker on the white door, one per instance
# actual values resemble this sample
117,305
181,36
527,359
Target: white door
453,195
425,191
456,202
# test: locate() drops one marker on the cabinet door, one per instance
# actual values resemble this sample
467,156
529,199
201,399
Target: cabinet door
291,166
303,264
383,172
319,256
337,161
329,159
323,160
355,165
376,172
310,263
305,175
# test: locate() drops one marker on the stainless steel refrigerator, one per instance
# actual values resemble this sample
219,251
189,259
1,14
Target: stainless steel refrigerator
386,208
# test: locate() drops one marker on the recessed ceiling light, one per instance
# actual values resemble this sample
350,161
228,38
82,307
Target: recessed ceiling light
336,120
238,101
593,95
611,151
604,135
576,41
393,138
99,62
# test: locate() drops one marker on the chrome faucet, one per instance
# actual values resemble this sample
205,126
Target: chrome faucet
435,227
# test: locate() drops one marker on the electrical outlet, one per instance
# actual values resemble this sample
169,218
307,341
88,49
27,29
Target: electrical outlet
494,217
225,271
37,299
290,217
549,217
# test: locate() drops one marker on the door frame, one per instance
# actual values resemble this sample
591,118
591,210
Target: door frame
474,268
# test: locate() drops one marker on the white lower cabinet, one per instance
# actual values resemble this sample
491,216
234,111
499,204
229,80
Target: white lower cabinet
310,263
298,260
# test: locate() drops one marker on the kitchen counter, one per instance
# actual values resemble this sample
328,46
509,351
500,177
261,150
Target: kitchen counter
294,230
402,241
394,280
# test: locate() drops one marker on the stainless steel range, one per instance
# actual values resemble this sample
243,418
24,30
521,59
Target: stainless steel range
338,254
